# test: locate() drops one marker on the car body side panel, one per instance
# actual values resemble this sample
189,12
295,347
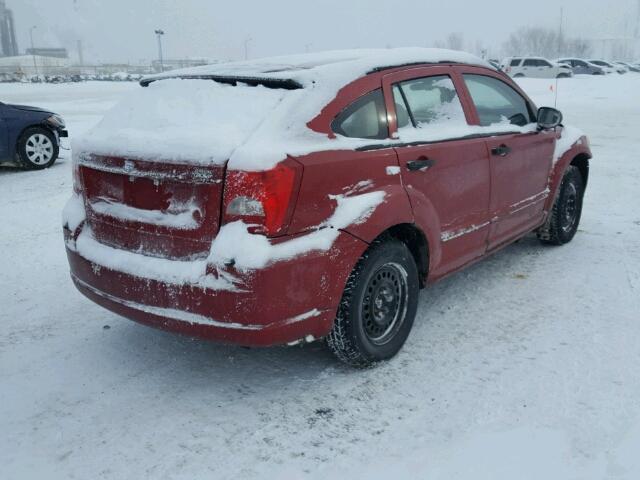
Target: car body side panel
349,174
5,150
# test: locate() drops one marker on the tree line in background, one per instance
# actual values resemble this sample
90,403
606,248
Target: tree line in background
539,41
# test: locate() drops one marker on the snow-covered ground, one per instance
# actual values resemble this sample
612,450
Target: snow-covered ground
525,366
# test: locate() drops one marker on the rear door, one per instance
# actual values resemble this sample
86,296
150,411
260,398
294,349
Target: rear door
520,162
446,175
530,67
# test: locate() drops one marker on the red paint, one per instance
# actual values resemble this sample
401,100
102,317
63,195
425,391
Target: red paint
475,200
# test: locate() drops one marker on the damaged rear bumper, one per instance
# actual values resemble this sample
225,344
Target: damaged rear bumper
286,302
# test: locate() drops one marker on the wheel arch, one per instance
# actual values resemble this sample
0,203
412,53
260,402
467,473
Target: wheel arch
417,243
582,162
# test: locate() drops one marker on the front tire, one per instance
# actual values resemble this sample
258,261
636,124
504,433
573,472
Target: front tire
565,215
37,148
378,305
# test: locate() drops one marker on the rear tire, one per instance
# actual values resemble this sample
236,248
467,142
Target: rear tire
518,75
378,305
37,148
565,215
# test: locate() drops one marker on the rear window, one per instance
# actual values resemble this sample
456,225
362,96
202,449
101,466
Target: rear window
364,118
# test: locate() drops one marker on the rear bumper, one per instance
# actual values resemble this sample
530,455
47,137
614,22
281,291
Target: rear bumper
286,302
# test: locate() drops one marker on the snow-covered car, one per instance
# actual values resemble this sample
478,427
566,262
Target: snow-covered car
630,67
289,199
581,67
535,67
609,67
29,136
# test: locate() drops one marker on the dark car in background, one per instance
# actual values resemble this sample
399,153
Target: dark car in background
582,67
29,136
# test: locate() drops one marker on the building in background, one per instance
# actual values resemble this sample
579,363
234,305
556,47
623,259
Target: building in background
49,52
8,44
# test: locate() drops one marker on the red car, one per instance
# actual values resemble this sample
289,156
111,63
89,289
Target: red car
298,198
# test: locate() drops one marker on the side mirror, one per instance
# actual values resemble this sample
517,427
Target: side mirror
549,118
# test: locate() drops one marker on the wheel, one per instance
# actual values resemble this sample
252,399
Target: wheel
562,75
378,305
519,75
564,218
37,148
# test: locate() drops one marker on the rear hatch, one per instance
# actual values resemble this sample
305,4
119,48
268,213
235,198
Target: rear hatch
158,209
152,170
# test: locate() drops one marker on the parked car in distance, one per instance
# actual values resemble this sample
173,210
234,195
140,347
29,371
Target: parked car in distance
495,64
581,67
609,67
629,66
30,136
535,67
284,200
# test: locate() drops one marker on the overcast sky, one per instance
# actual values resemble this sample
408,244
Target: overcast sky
122,30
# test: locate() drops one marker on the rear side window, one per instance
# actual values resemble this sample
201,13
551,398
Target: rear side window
515,62
364,118
428,101
496,101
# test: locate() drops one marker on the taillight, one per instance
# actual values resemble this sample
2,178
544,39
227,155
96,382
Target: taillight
263,200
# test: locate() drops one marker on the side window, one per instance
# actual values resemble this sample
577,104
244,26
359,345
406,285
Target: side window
515,62
530,62
429,101
364,118
496,101
544,63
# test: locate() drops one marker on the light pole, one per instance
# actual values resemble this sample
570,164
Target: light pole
33,50
160,33
246,47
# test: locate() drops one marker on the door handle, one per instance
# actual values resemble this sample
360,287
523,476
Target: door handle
501,151
422,163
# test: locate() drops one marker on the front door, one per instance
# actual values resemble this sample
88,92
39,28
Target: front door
446,175
520,160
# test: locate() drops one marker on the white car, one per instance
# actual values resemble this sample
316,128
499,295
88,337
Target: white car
535,67
609,68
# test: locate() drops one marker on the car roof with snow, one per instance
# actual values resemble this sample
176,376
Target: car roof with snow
299,71
254,114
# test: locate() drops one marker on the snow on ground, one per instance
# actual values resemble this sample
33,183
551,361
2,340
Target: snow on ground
524,366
